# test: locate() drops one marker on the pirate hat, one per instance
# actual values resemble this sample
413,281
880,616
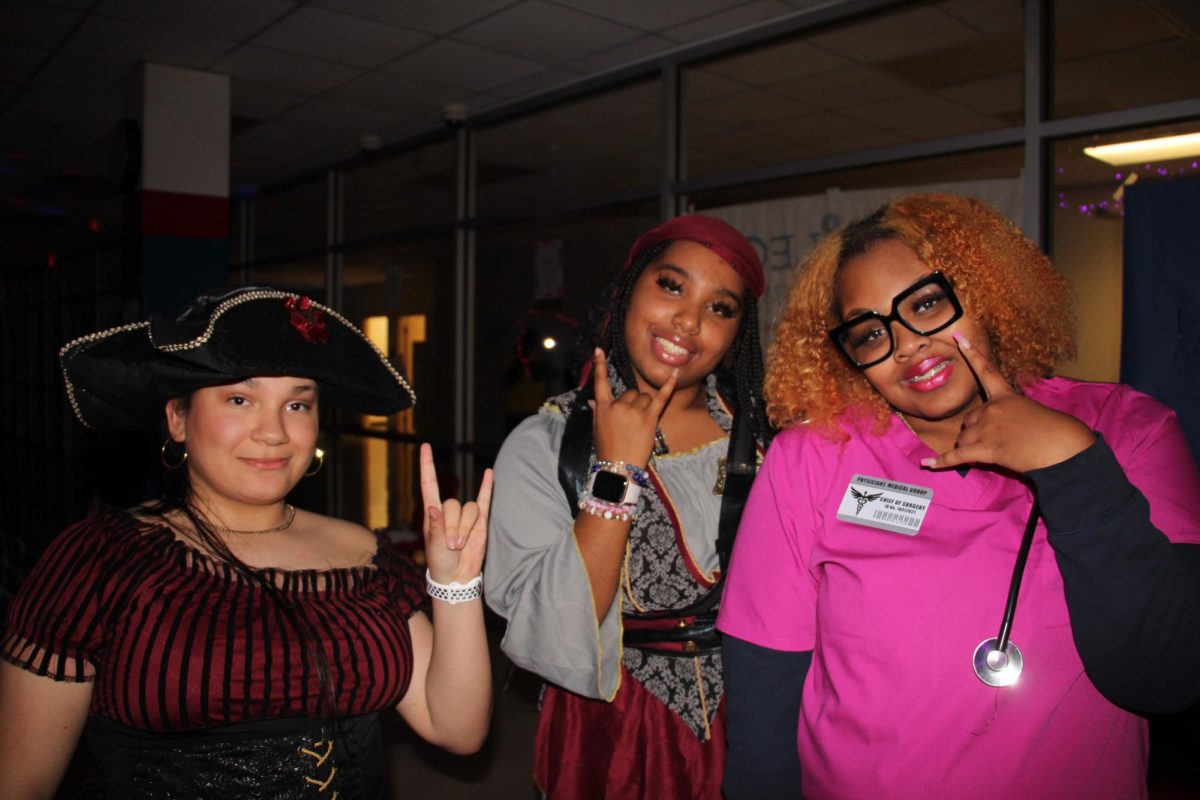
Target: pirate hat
121,377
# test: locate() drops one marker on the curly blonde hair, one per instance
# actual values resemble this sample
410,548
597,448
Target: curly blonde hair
1004,282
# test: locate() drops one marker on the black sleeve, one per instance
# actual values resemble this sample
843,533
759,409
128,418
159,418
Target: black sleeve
762,690
1133,597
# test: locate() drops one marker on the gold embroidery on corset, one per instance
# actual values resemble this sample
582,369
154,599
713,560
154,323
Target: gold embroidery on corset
321,758
325,783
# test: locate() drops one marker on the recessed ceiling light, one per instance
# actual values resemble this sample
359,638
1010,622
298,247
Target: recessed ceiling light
1142,151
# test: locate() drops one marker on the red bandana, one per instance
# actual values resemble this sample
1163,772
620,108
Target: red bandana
715,234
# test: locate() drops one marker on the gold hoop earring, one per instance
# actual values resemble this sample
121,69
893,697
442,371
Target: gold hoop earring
167,443
319,460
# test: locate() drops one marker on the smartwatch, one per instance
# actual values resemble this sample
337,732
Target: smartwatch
612,487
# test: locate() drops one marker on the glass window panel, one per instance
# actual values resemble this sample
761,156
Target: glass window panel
380,485
412,190
1087,207
600,144
920,73
290,221
304,276
1115,54
402,296
536,280
784,219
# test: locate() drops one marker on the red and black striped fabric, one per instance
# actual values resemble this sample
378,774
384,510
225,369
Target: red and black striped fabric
175,640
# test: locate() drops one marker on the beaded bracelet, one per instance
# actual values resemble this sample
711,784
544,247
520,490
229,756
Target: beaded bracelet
636,474
602,508
454,593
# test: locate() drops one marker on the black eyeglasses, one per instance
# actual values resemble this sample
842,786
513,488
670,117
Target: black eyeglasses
926,307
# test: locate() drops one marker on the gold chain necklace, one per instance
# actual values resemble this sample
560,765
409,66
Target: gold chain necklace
291,515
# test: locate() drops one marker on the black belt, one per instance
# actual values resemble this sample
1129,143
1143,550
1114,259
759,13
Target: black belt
678,636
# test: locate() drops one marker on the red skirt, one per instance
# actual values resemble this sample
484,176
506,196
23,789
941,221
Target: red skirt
633,747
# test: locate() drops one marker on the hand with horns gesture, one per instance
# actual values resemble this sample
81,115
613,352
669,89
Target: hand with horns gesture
623,427
455,534
1008,429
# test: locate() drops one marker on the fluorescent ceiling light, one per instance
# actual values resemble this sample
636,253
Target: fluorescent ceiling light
1147,150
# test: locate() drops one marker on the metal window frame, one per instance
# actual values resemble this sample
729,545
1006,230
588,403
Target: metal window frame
1035,135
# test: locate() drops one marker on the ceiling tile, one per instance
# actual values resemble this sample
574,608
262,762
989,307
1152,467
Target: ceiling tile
223,19
393,94
896,35
700,84
1004,94
723,22
17,64
598,112
841,87
461,65
325,34
272,69
623,54
816,127
651,16
125,42
907,111
74,5
68,104
952,127
750,108
33,25
254,102
433,16
864,141
348,121
543,32
74,72
988,16
773,64
537,82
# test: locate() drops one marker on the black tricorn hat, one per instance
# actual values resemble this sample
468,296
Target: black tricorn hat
121,377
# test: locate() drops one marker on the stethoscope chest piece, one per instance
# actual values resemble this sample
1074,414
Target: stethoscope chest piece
997,667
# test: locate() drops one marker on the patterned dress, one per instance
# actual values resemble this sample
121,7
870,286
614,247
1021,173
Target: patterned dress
616,721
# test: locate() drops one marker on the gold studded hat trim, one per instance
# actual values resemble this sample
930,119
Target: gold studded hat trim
112,375
73,346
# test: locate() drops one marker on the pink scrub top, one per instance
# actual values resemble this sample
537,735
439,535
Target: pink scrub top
891,706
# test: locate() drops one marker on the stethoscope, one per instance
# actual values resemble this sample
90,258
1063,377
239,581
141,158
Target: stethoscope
998,661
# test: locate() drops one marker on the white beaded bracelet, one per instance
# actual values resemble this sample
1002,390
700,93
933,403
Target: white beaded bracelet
454,593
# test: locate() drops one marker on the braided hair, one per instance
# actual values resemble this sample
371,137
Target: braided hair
605,328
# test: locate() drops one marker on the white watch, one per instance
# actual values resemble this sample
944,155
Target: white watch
613,487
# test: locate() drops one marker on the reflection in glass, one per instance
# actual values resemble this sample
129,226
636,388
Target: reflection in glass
413,189
918,73
536,280
1088,206
600,144
290,221
1121,54
305,276
402,296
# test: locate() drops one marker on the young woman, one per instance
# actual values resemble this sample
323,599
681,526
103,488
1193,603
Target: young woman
931,475
604,554
223,643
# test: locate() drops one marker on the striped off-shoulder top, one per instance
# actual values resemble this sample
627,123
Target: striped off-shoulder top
175,640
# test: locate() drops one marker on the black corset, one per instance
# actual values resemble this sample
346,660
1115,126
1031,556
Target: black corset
279,759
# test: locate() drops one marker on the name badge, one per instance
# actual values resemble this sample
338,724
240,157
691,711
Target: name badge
886,505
